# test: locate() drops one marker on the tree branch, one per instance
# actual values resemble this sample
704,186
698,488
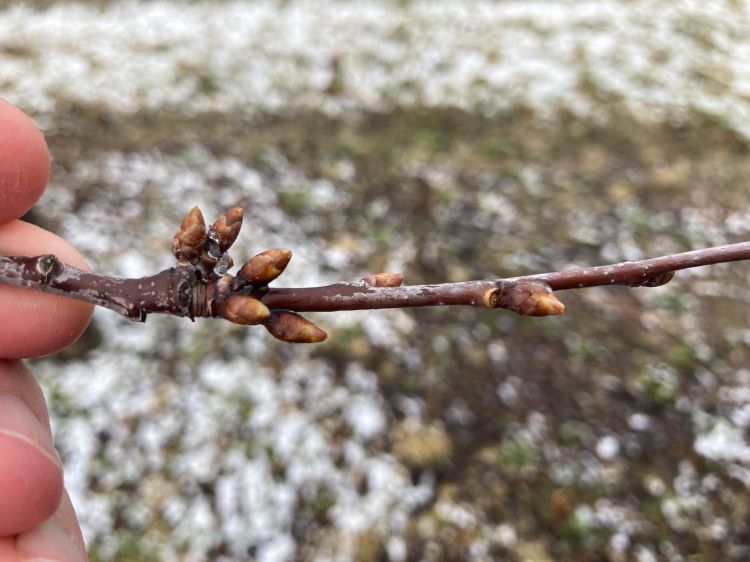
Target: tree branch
199,285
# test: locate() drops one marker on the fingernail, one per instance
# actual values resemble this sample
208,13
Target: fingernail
18,422
47,542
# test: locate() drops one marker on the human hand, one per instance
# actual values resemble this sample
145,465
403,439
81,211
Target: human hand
37,520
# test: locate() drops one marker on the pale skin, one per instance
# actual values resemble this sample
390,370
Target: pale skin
37,520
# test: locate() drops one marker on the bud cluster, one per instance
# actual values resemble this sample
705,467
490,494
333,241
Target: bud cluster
238,298
205,249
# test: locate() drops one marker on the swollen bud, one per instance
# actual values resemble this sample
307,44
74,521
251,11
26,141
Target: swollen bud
531,299
227,227
293,328
526,299
260,270
243,309
188,242
384,280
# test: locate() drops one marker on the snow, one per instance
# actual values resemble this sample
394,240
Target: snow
663,58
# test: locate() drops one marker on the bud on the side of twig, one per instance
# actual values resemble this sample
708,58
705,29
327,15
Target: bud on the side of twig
383,280
528,299
658,280
189,240
292,328
260,270
243,309
227,227
491,298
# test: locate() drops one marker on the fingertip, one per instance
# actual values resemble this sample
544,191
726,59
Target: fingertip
49,543
24,166
31,480
43,323
36,323
8,551
16,379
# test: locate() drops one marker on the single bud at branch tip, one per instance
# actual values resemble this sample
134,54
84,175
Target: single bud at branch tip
260,270
189,240
383,280
243,309
292,328
227,227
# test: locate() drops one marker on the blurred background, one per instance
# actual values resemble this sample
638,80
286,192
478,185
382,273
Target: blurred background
449,141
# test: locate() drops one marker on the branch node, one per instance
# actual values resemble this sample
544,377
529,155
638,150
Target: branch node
491,298
47,266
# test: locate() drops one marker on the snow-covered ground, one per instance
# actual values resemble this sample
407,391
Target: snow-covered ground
226,446
228,419
664,58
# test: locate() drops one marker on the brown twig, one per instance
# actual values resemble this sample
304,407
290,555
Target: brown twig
200,287
167,291
643,273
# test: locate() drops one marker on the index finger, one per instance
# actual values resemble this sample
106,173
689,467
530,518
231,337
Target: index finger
31,323
24,162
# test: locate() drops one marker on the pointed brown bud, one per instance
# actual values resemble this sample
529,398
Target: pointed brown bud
293,328
531,299
260,270
384,280
242,309
190,239
227,227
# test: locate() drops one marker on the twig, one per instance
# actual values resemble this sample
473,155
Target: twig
200,287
